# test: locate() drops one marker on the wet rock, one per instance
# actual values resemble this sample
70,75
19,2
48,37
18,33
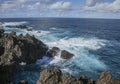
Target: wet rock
29,29
53,52
17,26
1,32
66,55
15,50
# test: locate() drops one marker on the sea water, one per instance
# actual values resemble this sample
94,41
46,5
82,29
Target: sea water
94,42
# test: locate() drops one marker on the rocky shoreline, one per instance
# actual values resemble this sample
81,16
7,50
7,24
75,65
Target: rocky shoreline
18,50
55,76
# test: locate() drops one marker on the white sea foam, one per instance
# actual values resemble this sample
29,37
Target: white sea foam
80,48
14,23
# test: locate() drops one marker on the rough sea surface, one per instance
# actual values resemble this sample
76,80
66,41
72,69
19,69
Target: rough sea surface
94,42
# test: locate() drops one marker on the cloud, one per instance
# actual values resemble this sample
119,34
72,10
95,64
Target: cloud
103,6
60,5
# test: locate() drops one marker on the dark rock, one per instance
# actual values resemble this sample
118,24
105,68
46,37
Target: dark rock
86,80
39,32
23,82
15,50
29,29
66,55
17,26
1,32
53,52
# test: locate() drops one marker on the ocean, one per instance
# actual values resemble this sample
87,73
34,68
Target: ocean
94,42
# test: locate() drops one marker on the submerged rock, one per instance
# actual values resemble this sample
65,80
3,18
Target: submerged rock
66,55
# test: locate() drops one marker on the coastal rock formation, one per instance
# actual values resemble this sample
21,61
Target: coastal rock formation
55,76
53,52
16,50
66,55
17,26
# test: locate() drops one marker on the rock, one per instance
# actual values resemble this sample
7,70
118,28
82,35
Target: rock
104,78
50,77
29,29
17,26
23,82
16,50
66,55
1,32
85,80
38,31
53,52
69,79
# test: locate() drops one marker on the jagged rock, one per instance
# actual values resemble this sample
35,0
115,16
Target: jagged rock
15,50
69,79
53,52
85,80
66,55
104,78
50,77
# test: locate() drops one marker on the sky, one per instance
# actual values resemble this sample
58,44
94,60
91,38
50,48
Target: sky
60,8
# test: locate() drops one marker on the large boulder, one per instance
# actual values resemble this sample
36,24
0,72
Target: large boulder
66,55
53,52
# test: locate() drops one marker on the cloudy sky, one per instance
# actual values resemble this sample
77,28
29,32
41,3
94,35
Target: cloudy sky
60,8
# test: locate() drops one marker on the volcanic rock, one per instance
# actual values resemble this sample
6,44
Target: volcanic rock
66,55
56,77
50,77
53,52
15,50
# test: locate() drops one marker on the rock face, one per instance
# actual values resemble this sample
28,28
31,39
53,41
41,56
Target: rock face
15,50
56,77
66,55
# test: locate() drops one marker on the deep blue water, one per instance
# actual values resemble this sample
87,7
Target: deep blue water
94,42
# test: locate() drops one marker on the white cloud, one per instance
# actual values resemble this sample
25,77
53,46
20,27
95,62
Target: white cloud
104,7
61,5
7,6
